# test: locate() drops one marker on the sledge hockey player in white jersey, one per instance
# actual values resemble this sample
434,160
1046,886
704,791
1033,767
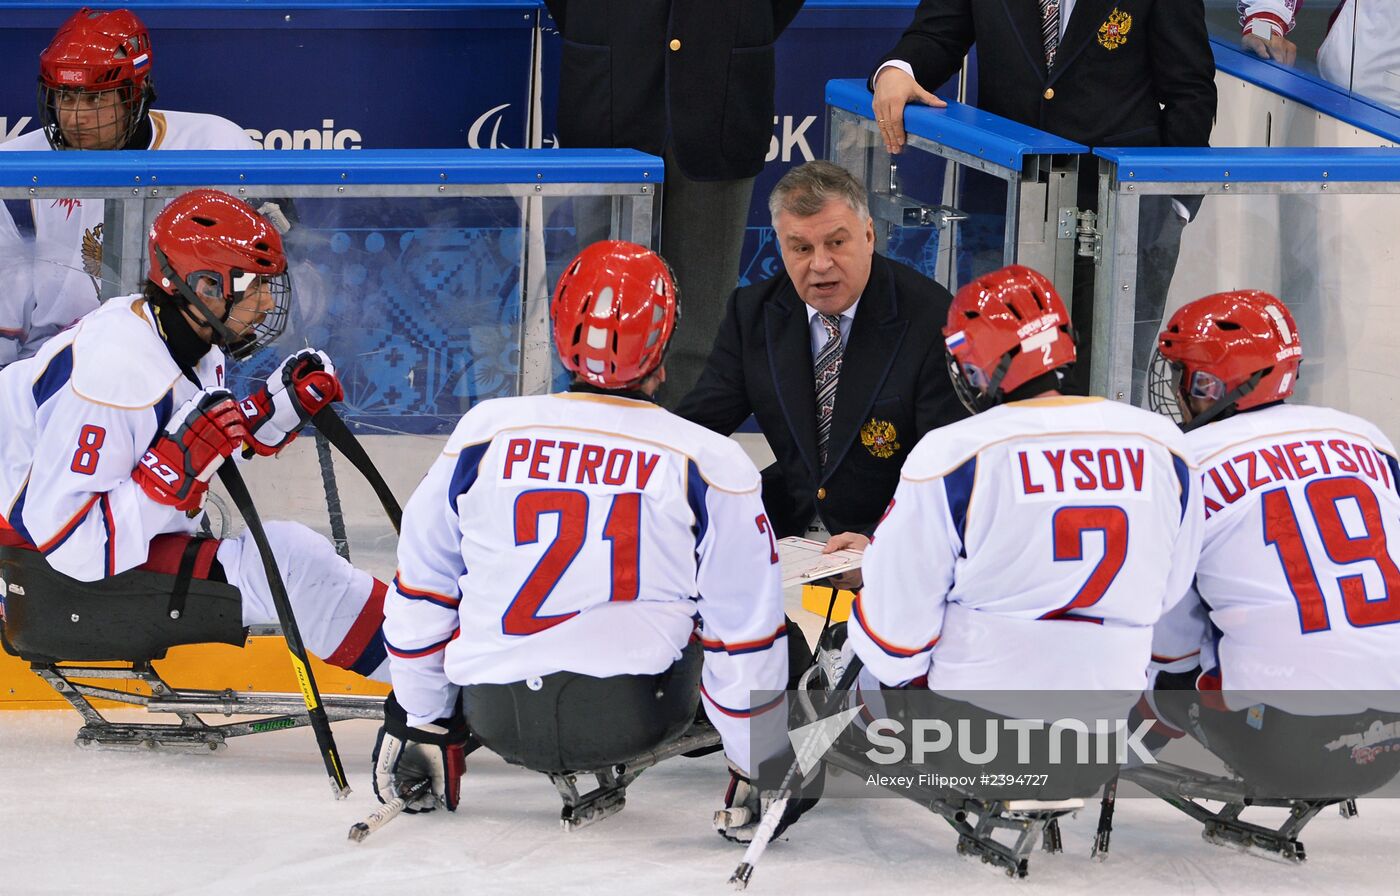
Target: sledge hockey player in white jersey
1296,602
95,93
555,559
113,431
1034,545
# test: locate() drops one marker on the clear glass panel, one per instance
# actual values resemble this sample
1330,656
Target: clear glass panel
1353,44
1326,257
945,219
427,306
418,301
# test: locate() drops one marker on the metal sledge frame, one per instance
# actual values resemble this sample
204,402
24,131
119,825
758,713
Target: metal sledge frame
976,821
1182,787
610,796
1033,821
276,711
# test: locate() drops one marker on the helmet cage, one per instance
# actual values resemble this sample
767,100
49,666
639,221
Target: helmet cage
976,390
136,101
96,52
265,331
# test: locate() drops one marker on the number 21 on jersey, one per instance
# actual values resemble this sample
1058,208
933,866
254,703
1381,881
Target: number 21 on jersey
621,531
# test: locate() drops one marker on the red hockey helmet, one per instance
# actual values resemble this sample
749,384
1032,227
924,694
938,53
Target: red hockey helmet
1005,329
614,310
209,234
95,52
1235,349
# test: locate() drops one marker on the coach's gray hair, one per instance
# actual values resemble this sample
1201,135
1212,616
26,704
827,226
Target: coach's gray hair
806,189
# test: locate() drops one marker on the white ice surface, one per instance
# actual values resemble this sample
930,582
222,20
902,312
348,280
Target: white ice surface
258,817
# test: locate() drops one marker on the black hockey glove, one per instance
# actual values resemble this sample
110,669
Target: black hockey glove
744,805
405,755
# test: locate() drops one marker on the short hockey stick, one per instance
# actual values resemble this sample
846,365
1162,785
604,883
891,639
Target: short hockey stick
387,812
329,424
301,663
1105,829
764,834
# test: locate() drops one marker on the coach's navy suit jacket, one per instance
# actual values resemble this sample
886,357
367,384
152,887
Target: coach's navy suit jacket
893,388
1127,72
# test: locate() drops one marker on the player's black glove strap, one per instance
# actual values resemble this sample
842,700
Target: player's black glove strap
406,754
744,805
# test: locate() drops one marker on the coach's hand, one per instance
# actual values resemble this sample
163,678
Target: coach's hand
895,89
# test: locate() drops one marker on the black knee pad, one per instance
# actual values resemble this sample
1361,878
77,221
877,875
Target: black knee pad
569,722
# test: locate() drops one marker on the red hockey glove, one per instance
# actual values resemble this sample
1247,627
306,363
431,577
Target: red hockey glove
176,469
301,385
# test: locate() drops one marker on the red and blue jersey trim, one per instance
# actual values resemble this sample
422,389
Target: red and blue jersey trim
432,597
743,713
741,647
420,652
886,646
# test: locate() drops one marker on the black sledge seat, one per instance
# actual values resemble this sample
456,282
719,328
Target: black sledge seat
132,617
566,722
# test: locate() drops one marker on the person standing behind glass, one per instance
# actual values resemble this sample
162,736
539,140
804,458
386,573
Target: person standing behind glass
1360,53
1098,72
692,82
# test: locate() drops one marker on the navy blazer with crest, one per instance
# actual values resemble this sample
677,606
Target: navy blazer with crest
1127,72
893,388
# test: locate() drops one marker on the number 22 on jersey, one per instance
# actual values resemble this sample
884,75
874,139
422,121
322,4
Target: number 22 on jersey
621,530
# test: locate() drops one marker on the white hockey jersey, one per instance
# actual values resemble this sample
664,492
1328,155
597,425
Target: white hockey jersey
1362,51
1032,546
77,418
55,279
583,532
1300,566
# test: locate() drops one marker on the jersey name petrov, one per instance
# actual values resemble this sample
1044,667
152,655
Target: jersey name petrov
577,462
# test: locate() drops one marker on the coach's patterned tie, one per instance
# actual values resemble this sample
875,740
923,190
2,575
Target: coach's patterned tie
827,369
1050,29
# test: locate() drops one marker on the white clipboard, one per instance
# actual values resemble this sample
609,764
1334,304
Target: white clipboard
803,561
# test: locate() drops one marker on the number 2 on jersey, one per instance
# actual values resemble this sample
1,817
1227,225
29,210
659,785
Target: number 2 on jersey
1070,524
621,531
1283,532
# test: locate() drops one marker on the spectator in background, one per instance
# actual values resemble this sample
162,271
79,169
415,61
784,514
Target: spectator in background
690,81
1360,53
1099,72
95,93
1266,24
840,358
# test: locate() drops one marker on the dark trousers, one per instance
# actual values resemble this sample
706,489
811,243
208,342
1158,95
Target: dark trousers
702,237
1285,756
1159,244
